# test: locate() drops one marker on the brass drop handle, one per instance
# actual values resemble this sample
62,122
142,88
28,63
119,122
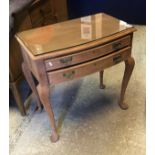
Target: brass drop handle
69,74
66,60
117,58
116,46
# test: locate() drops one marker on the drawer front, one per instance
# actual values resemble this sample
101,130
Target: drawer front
62,62
88,67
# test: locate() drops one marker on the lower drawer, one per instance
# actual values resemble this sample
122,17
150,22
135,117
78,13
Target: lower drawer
88,67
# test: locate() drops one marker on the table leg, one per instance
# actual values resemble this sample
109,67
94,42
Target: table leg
102,86
32,85
17,96
44,93
129,65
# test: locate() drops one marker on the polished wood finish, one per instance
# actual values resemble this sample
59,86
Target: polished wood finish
70,34
129,65
44,92
108,46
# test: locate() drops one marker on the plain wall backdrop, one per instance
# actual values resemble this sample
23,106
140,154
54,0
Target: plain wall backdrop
131,11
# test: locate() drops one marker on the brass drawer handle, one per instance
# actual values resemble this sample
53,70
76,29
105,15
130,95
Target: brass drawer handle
66,60
69,74
116,46
117,58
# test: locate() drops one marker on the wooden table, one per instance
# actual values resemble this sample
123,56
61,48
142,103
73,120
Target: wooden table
73,49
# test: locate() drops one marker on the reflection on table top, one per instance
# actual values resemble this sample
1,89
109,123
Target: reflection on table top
71,33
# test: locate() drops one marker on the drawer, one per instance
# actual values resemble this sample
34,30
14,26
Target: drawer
72,59
88,67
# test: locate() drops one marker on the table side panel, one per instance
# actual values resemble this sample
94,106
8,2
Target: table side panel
33,65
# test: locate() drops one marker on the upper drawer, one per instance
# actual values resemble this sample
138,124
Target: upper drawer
72,59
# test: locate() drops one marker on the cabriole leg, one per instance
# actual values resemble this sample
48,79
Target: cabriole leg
32,85
44,93
129,65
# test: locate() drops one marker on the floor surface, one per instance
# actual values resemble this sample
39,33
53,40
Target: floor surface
89,120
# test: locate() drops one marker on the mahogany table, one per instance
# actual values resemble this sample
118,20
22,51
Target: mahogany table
65,51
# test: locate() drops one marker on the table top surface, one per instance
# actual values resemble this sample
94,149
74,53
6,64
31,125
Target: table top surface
71,33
